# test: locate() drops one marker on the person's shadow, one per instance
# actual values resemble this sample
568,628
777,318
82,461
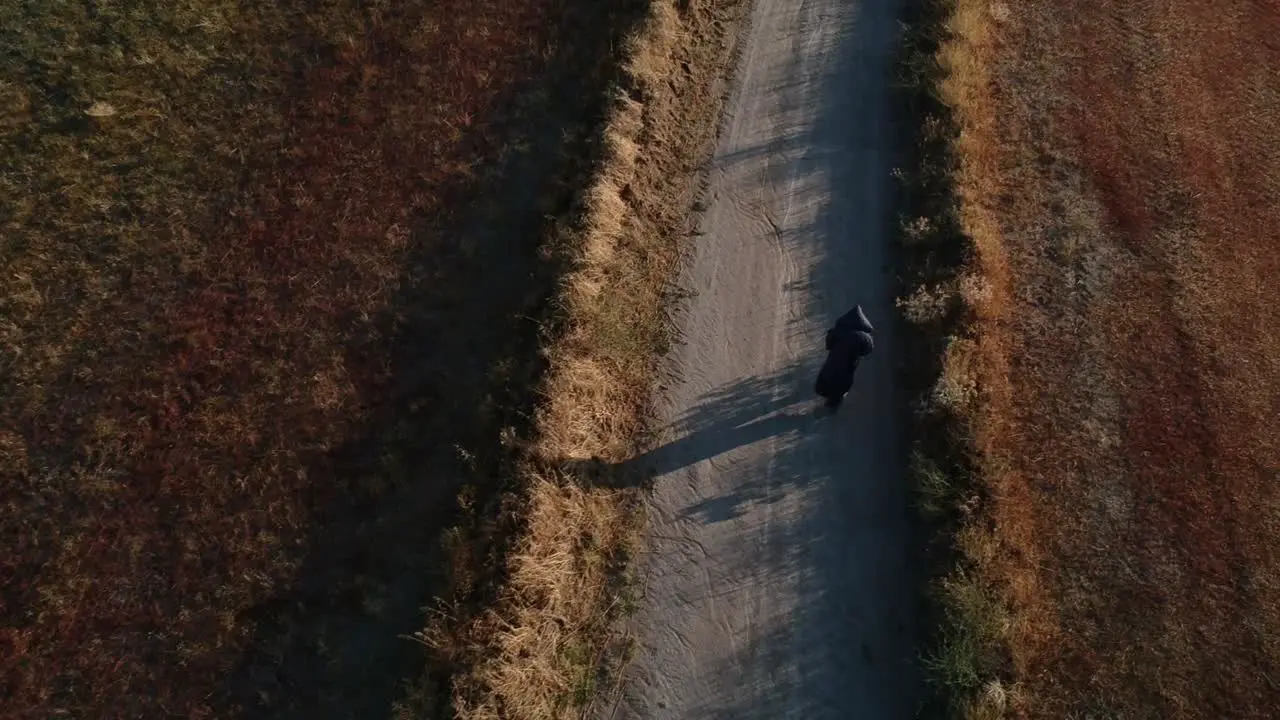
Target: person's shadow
765,408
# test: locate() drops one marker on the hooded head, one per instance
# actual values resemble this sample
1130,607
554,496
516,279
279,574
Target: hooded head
855,321
863,323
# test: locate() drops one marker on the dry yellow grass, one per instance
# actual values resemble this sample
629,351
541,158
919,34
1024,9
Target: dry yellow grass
546,649
1116,183
549,642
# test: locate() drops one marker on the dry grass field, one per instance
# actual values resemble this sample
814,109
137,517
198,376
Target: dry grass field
274,278
312,313
1117,178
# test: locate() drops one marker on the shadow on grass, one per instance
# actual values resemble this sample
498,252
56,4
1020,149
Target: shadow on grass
467,329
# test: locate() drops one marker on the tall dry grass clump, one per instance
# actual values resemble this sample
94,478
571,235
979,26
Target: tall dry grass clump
549,643
954,283
600,368
975,599
543,659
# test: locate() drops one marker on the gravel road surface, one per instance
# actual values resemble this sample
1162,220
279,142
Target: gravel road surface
778,583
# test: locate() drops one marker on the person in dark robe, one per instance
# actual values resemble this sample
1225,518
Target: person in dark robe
847,343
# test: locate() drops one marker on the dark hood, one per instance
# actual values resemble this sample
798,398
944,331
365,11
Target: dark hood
855,321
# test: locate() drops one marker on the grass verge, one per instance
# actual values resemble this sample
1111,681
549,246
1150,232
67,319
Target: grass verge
945,292
547,644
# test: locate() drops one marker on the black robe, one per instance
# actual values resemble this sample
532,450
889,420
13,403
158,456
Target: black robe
847,343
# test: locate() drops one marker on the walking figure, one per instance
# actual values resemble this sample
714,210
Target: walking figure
847,343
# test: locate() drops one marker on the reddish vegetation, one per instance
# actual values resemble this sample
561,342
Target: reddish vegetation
178,367
1139,444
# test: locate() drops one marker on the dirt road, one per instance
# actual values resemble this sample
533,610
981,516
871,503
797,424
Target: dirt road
778,583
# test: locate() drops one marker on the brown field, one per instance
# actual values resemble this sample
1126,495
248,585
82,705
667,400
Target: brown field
317,314
1118,180
273,283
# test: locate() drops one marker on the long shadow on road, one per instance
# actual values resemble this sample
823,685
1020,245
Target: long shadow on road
826,510
729,419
